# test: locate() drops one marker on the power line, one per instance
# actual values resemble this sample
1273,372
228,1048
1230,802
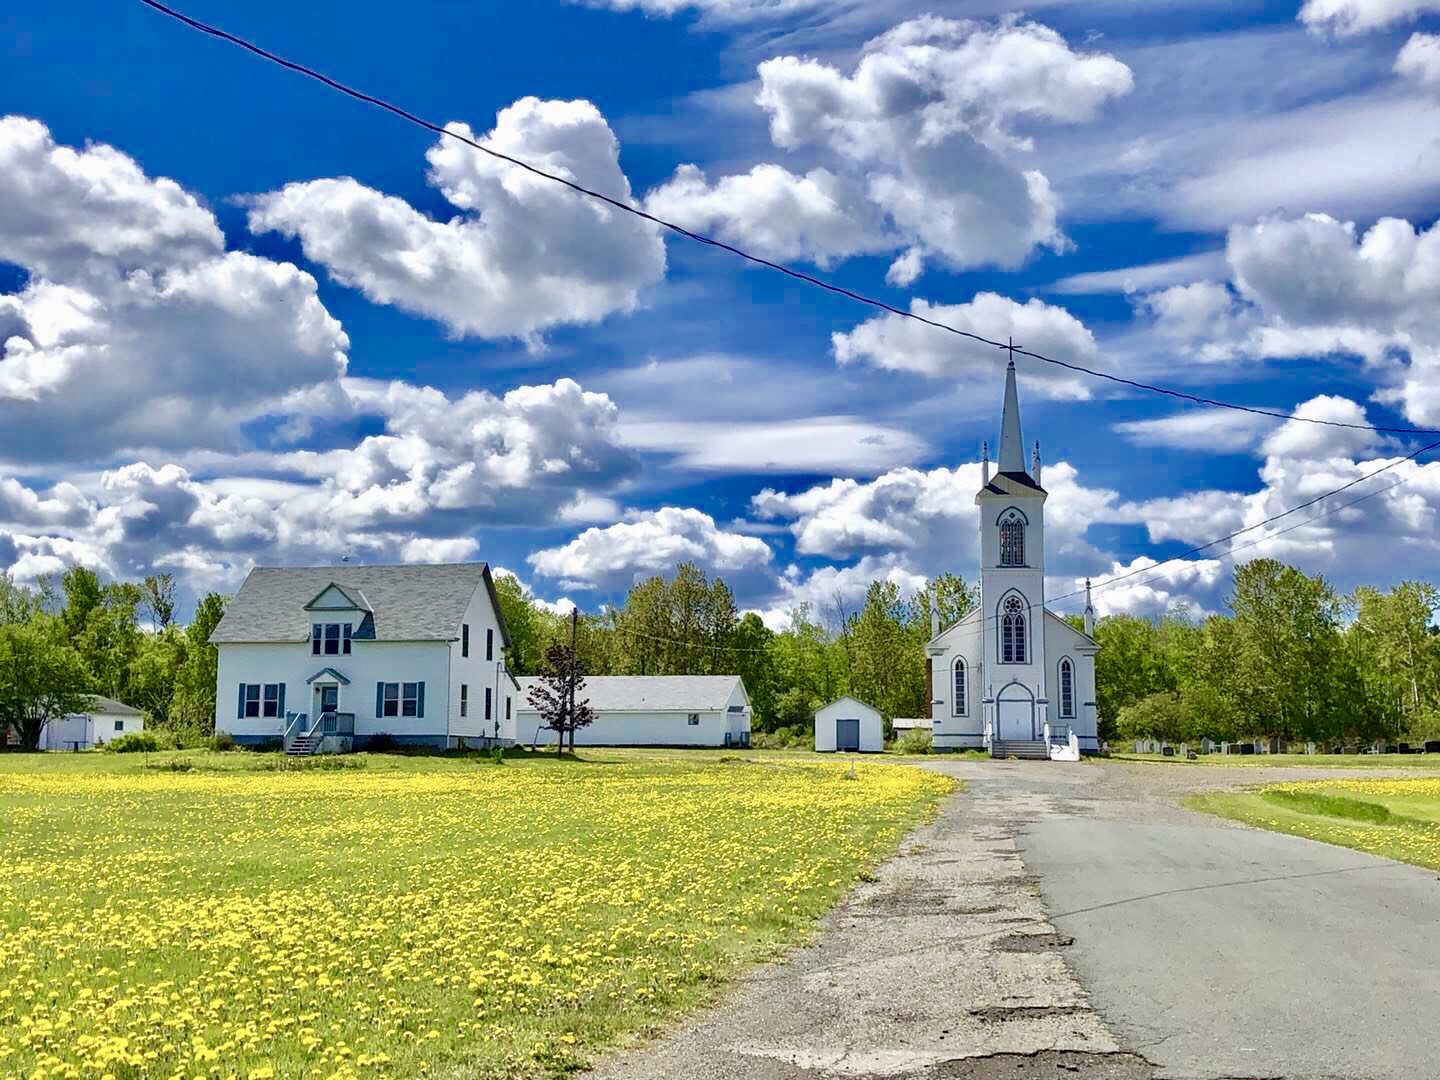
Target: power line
710,241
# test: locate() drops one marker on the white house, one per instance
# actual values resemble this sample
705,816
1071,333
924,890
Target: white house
1011,670
107,719
849,724
330,657
649,710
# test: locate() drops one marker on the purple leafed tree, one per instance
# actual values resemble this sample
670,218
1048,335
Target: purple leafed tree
556,696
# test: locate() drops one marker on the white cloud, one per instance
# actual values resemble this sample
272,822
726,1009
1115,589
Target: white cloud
652,542
1210,430
899,344
1148,276
1347,17
919,149
423,549
1419,59
529,255
135,328
1198,584
806,445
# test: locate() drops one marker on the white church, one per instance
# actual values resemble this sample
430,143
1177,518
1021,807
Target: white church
1012,677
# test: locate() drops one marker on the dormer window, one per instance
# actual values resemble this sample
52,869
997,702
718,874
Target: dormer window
330,639
1012,538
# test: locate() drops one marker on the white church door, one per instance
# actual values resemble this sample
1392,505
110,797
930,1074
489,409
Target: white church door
1015,713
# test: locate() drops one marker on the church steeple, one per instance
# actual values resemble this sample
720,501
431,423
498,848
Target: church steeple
1012,444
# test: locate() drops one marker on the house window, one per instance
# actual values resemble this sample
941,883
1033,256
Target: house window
1012,538
1012,631
465,639
464,700
330,639
693,719
507,706
1067,689
261,699
119,725
959,705
487,703
400,699
489,643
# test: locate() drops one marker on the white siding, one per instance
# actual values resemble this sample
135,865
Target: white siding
872,727
370,662
80,731
661,728
951,731
478,673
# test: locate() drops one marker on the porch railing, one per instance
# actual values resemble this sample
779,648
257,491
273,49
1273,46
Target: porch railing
334,723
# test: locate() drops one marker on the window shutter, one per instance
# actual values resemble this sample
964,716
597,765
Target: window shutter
240,708
379,700
349,632
420,699
280,708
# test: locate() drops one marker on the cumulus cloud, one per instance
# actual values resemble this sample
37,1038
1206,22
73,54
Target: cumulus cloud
135,327
527,254
1211,430
899,344
919,148
1348,17
652,542
1419,59
1317,286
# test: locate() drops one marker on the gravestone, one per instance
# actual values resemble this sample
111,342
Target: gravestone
1140,746
1191,755
1432,746
1309,748
1228,748
1167,750
1207,746
1404,748
1247,748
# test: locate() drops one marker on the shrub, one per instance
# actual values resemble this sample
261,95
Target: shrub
135,742
497,755
222,741
794,737
382,743
915,741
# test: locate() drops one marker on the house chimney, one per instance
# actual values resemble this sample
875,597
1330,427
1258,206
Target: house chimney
1089,611
1035,462
934,610
985,463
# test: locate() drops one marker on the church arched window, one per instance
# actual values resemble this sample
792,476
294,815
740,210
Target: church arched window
1012,538
1067,688
1012,630
960,705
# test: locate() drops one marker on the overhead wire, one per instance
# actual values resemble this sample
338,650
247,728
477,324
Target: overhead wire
701,238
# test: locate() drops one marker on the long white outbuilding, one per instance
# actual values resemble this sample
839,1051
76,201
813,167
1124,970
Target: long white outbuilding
648,710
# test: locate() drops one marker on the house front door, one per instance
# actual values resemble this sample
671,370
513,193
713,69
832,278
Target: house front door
327,699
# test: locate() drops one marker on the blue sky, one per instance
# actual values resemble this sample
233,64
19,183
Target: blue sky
246,320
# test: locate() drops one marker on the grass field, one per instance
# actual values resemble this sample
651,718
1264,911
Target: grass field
1399,819
223,915
1309,761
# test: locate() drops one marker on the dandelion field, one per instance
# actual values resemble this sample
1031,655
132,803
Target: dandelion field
404,917
1396,818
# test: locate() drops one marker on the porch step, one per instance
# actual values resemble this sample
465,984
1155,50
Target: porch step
302,745
1032,749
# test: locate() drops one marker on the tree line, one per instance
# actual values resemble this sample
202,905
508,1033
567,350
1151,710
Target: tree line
67,640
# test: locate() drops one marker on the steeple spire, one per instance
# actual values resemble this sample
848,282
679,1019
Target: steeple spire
1089,611
1012,444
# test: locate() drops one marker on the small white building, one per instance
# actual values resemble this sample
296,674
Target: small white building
648,710
107,719
332,657
849,724
904,725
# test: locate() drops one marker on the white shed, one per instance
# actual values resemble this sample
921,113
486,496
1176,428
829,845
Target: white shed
107,719
849,724
647,710
903,725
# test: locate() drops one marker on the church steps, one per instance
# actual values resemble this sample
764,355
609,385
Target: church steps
1026,749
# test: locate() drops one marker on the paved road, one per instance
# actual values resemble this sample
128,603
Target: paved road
1200,949
1219,951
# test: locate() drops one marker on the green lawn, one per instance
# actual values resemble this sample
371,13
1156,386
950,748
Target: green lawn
1399,819
1313,761
194,914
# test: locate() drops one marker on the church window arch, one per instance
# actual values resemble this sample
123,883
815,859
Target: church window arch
1067,688
1012,537
960,705
1014,641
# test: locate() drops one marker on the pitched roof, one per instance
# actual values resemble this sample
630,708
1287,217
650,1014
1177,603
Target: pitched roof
650,693
412,602
99,704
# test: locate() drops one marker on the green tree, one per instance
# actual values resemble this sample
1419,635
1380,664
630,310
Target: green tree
42,677
193,699
755,664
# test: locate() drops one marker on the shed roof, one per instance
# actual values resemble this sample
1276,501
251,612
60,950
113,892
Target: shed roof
412,602
99,704
650,693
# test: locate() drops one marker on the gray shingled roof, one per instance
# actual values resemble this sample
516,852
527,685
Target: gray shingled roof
413,602
99,704
649,693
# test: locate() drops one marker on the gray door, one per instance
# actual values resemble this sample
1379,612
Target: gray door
847,735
